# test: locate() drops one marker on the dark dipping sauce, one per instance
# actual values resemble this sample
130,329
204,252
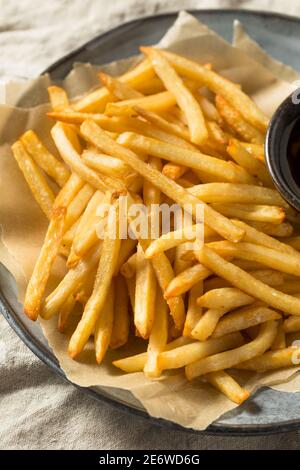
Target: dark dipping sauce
293,152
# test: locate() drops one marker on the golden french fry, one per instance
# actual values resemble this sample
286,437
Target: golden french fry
128,245
189,353
162,123
35,179
41,155
65,312
121,90
226,298
174,172
180,264
280,339
257,151
256,212
109,166
70,283
271,360
158,337
294,242
207,323
106,268
247,283
104,325
97,100
41,272
208,108
291,324
184,98
221,86
78,205
228,359
274,259
252,235
137,362
186,279
173,239
234,119
269,276
194,312
159,102
58,98
96,136
227,193
285,229
59,134
182,156
120,331
254,167
228,386
145,289
244,318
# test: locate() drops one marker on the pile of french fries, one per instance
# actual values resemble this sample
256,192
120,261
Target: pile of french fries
168,131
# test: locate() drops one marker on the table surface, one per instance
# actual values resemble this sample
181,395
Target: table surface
38,410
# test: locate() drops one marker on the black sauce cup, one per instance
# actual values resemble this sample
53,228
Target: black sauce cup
276,148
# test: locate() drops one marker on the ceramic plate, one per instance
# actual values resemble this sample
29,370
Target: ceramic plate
268,410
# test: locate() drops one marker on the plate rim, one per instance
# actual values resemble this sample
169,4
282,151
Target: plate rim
48,358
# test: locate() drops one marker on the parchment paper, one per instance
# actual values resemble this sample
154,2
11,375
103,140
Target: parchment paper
191,404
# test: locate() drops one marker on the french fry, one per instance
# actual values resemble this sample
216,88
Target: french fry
70,283
126,249
86,234
234,119
59,134
78,205
274,259
69,191
120,330
137,362
269,276
256,212
162,101
144,295
105,271
221,86
163,124
194,312
226,298
192,159
186,280
121,90
96,136
229,359
272,360
256,150
291,324
58,98
158,337
104,325
184,98
208,108
252,235
280,339
97,100
244,318
180,265
227,193
41,155
109,166
228,386
41,272
254,167
173,239
247,283
285,229
65,312
36,181
130,282
189,353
